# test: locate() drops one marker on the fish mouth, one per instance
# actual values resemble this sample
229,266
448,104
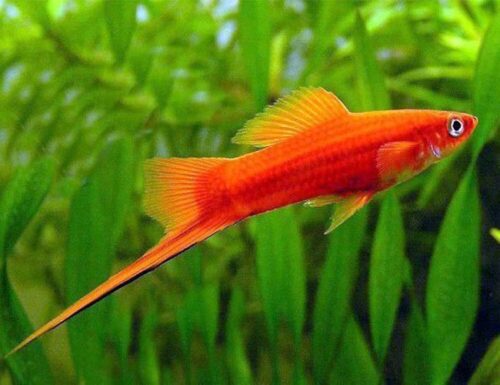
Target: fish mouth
474,120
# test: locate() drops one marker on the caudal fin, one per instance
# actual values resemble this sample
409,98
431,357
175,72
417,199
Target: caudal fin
177,194
178,190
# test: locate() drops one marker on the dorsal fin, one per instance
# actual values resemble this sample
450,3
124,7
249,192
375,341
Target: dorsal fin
302,109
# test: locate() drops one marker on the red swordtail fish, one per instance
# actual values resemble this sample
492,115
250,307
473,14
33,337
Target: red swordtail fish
313,150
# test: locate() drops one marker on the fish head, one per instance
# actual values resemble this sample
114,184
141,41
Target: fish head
448,131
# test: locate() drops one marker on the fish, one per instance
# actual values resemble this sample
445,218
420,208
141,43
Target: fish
311,149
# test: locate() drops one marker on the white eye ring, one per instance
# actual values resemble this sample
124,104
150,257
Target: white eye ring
455,127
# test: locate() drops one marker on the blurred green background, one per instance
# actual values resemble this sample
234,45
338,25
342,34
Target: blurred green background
406,292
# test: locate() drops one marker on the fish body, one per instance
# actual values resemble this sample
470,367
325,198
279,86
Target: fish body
340,158
315,150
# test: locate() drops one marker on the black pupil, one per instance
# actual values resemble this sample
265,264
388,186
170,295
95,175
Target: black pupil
456,125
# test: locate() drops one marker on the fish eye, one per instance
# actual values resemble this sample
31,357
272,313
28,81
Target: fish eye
455,127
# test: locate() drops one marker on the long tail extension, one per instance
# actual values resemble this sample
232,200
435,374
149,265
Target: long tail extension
178,195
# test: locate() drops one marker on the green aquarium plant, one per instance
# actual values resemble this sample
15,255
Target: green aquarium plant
403,292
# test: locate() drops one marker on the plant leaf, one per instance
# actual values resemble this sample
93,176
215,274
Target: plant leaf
488,371
325,16
281,275
255,40
238,365
453,282
386,274
280,263
186,325
416,362
208,307
121,21
161,84
294,275
434,180
495,233
355,364
120,334
370,78
149,365
333,300
20,201
487,85
38,14
97,217
141,61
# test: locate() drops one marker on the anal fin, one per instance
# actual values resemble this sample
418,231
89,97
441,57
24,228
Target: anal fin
345,209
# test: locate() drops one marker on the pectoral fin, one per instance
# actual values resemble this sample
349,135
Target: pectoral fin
395,159
345,209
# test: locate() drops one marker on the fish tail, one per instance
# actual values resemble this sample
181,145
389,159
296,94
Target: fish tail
180,194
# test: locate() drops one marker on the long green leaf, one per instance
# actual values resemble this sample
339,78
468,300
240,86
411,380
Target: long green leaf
87,242
332,307
370,78
20,201
487,85
121,21
208,305
325,16
255,39
386,266
293,275
141,61
435,179
495,233
269,264
488,371
38,13
281,276
161,84
453,283
428,96
355,364
416,361
120,334
149,365
201,312
97,216
386,274
238,365
186,325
